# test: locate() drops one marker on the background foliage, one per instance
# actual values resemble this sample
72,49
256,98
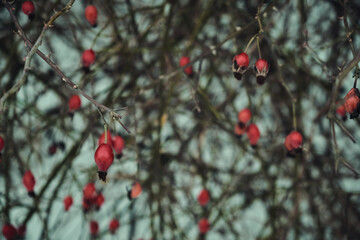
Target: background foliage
182,136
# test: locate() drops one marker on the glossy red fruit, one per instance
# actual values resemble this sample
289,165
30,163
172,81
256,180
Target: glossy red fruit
74,103
204,226
29,182
118,144
104,157
94,227
240,65
204,197
184,61
261,69
91,15
28,8
113,226
352,103
2,143
341,111
244,117
21,231
253,134
101,139
135,191
68,201
9,232
100,199
88,57
89,192
293,141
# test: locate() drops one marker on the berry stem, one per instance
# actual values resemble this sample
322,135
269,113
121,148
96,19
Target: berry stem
261,30
105,128
258,46
294,114
251,40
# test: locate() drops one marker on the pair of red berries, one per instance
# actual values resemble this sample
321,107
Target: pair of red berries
351,105
241,63
183,62
28,8
104,155
251,130
29,183
92,198
11,233
113,226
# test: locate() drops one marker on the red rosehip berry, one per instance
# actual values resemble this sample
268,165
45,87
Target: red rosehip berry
113,226
21,231
261,69
204,226
104,157
89,192
68,201
240,65
184,61
91,14
100,199
94,227
352,103
9,232
244,117
204,197
29,182
86,205
28,8
88,58
74,103
341,111
135,191
253,134
101,139
118,145
2,143
293,141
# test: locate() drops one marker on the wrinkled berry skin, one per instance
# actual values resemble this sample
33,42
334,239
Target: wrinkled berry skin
352,103
240,65
261,70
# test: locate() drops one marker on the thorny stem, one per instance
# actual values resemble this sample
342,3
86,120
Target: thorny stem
63,77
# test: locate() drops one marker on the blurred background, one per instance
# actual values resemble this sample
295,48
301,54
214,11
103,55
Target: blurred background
181,127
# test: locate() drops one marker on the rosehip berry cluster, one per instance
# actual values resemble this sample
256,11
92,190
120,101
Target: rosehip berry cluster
251,130
293,143
11,233
91,198
241,65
